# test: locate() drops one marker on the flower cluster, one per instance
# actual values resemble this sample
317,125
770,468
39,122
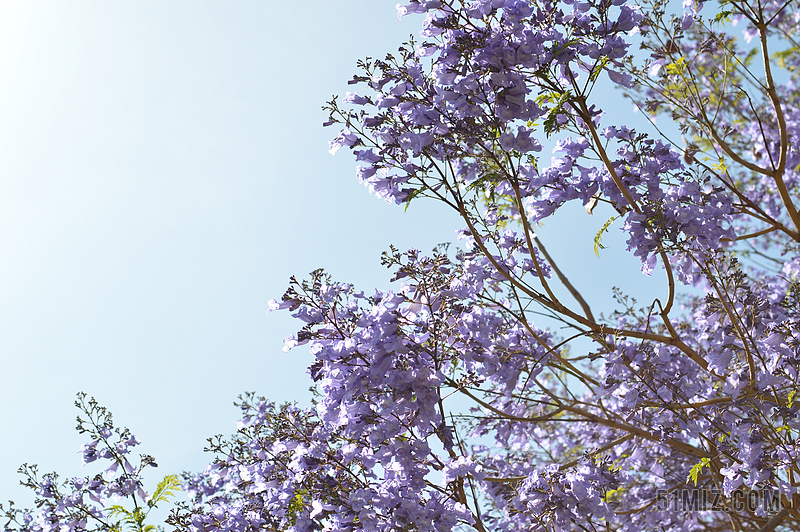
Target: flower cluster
91,503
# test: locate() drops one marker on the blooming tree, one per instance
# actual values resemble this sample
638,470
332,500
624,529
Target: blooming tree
94,502
474,396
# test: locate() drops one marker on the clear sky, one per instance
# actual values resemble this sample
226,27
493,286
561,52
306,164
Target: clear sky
163,171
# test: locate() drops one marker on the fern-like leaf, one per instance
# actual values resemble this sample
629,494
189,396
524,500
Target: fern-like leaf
598,238
164,490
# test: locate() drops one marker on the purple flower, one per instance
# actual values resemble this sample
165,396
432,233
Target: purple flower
355,99
626,80
345,138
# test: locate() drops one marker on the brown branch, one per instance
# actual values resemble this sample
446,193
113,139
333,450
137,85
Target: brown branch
777,174
751,235
563,278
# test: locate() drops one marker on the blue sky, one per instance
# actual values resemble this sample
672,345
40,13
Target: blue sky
163,171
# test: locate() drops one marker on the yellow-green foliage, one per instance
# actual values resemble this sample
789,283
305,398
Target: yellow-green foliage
134,520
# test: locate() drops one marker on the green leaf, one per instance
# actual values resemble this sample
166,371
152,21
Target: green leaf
164,490
724,16
784,56
696,469
297,505
720,166
551,120
117,510
599,68
677,67
598,238
612,495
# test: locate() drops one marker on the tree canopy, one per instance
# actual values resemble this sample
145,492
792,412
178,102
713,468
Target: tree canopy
484,392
